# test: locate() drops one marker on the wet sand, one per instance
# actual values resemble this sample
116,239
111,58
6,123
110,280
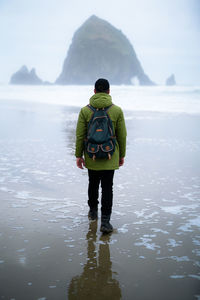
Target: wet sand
48,247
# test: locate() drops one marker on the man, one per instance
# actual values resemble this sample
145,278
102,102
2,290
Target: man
101,169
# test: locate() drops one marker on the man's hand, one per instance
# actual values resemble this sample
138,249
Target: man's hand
80,162
121,161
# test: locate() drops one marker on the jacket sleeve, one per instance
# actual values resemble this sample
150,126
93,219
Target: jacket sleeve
81,131
121,134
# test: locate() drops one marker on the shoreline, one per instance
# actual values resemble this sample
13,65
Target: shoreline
149,99
49,249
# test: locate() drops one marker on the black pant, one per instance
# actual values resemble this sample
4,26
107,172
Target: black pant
106,179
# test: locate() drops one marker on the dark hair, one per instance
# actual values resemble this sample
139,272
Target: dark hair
102,85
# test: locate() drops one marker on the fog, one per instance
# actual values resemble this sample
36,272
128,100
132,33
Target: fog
165,35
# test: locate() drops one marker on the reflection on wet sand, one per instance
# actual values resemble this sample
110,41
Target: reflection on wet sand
96,281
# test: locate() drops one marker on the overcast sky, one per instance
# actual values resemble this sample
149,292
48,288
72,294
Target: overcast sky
164,33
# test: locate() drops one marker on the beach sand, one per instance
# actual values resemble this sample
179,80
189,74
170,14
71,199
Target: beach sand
48,247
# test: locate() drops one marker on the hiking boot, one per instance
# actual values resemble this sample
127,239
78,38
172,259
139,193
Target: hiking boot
93,214
106,227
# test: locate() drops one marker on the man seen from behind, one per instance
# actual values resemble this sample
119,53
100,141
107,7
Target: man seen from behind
101,158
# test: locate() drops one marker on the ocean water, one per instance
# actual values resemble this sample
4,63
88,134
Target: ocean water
48,247
175,99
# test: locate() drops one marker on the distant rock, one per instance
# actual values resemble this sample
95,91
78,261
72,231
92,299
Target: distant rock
98,49
23,76
47,83
171,80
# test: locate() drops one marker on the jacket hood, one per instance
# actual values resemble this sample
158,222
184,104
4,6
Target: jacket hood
101,100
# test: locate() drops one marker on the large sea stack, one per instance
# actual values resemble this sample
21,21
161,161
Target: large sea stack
100,50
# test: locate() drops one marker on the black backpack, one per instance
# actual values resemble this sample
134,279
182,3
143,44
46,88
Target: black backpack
100,141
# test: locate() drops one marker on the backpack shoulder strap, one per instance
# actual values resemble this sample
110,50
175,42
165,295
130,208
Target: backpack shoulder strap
92,108
108,107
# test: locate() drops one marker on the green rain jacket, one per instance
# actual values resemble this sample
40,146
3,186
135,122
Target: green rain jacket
101,100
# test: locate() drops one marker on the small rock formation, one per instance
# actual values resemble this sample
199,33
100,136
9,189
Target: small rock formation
98,49
171,80
23,76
